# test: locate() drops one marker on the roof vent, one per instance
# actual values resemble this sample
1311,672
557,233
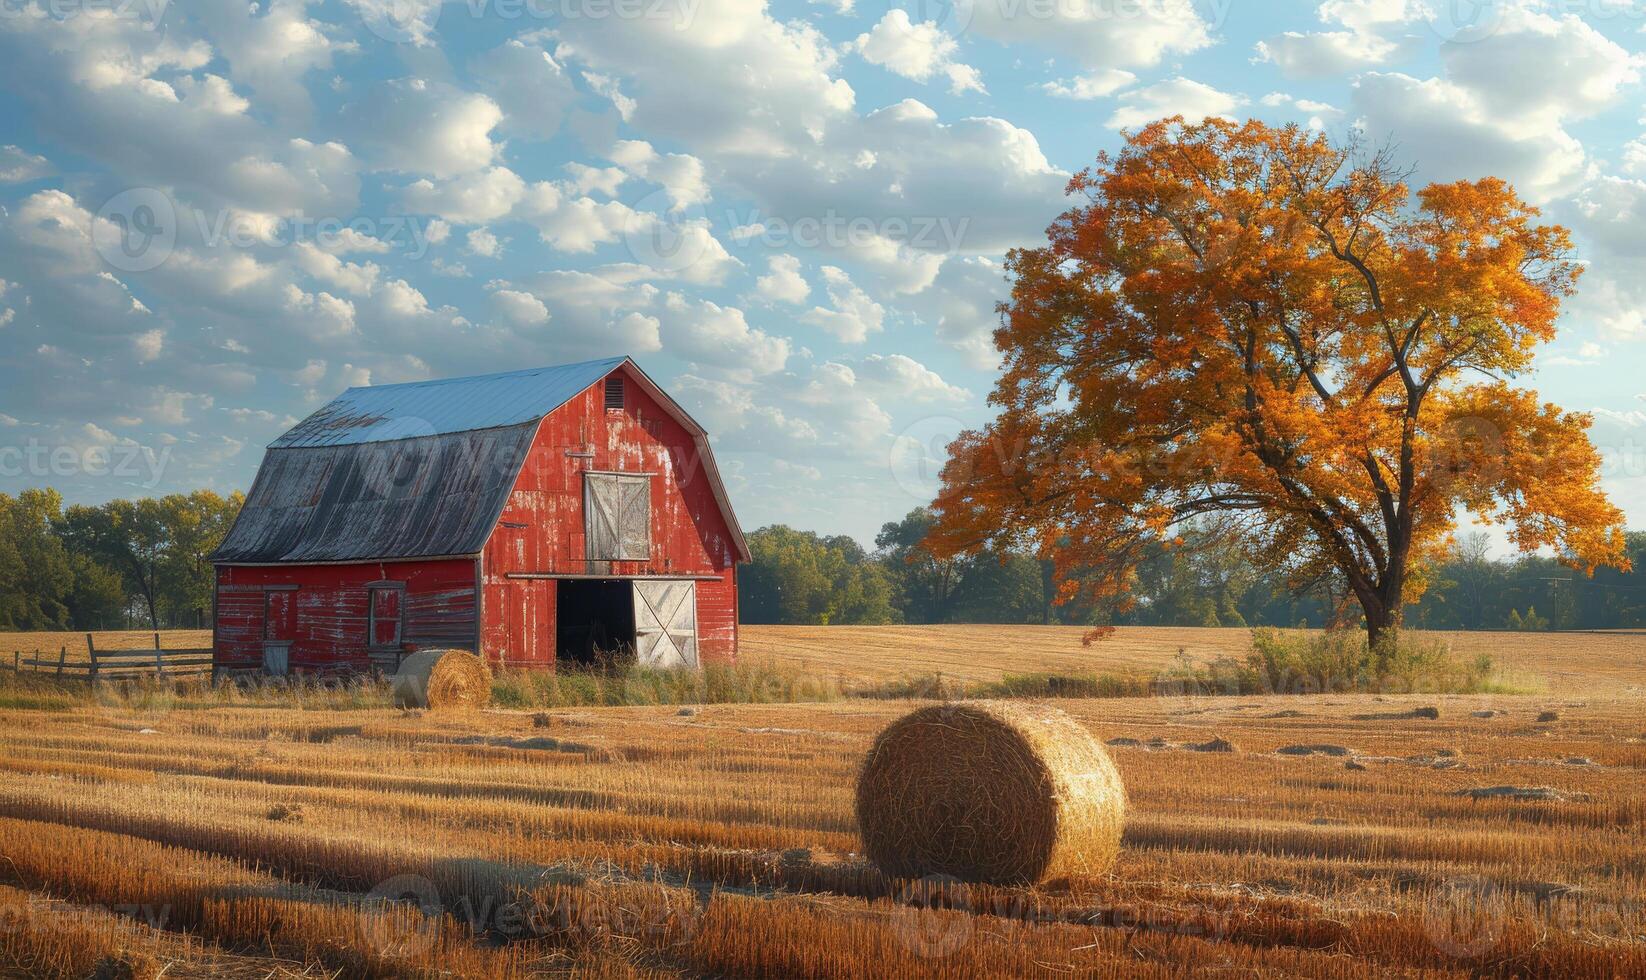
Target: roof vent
614,392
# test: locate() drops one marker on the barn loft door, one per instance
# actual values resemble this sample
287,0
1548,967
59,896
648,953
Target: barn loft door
665,623
617,517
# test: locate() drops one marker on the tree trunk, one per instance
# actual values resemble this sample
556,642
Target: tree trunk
1382,620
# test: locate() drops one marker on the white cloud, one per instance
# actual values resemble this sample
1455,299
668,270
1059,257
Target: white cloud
783,283
899,376
917,51
1448,133
149,344
529,86
1176,96
521,309
413,125
483,242
18,165
709,334
471,199
359,278
852,315
680,174
1376,32
1098,35
1092,85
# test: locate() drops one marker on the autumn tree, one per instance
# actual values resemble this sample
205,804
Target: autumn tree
1249,328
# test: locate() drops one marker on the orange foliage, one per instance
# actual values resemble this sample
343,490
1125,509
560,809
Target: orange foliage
1250,328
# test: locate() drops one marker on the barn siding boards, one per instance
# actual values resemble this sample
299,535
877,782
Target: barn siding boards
542,529
332,605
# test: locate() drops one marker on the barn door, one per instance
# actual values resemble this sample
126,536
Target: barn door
665,623
279,629
617,517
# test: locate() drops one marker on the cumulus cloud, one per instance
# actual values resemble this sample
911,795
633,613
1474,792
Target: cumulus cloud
783,282
1098,35
917,51
1176,96
520,309
1371,32
413,125
851,315
18,165
1092,85
900,376
719,336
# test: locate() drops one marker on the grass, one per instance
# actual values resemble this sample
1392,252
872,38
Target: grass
1278,663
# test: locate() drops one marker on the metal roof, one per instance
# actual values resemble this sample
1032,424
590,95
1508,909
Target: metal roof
380,413
417,470
432,496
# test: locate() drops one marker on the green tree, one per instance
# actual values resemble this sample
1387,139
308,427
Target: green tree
35,574
800,577
130,537
194,525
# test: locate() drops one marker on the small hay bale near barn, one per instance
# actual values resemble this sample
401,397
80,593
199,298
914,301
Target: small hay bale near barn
536,517
442,679
990,791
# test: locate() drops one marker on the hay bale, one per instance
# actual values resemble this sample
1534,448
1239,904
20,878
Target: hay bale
442,679
990,791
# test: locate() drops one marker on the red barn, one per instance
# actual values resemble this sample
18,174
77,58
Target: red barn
535,516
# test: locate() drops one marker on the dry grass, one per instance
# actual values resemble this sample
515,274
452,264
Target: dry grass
847,657
159,839
1567,662
627,842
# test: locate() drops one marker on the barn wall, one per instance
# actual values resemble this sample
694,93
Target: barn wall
541,527
331,600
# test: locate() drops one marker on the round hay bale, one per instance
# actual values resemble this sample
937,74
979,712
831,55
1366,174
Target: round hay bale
990,791
442,679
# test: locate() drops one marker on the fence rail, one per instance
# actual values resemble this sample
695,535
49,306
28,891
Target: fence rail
117,664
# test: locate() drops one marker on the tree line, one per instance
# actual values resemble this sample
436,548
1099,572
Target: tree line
143,563
122,564
802,577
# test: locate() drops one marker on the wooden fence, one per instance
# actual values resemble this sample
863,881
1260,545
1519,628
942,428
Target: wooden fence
117,664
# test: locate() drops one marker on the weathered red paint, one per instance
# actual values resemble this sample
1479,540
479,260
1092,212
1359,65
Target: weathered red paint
332,605
510,619
541,529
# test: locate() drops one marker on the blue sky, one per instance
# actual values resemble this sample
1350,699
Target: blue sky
219,214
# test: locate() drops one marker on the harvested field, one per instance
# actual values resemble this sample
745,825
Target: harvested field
645,842
1566,663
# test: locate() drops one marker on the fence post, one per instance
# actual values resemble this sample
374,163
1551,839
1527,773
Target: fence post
62,656
16,662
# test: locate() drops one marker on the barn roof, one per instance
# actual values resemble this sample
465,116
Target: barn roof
417,470
379,413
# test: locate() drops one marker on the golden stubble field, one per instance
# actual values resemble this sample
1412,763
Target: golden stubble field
720,841
1576,663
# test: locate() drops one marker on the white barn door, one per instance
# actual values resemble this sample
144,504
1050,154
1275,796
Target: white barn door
665,623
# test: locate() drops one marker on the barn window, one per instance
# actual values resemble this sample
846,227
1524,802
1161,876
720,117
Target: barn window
387,613
614,392
617,516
